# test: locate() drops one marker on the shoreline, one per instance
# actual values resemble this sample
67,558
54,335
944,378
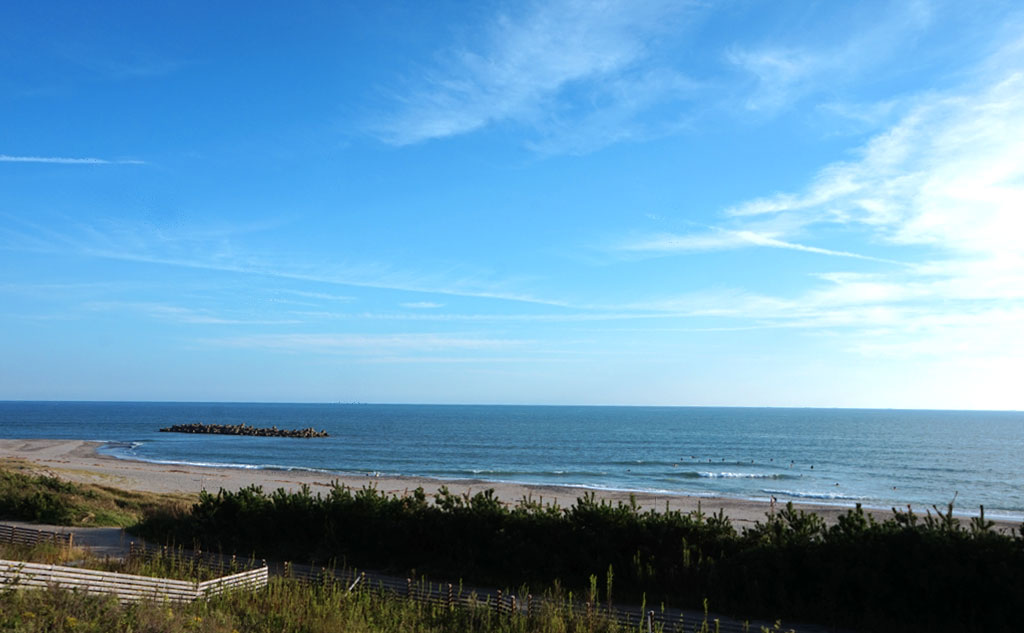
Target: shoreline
80,461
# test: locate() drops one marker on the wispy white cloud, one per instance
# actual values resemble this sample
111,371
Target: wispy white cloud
219,249
318,295
422,305
947,181
947,175
593,313
340,275
526,64
781,73
618,115
50,289
60,160
786,72
179,314
846,116
344,343
724,239
485,360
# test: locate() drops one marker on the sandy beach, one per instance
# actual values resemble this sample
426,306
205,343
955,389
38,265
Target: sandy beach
78,460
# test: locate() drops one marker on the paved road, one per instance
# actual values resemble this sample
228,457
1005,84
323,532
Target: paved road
102,541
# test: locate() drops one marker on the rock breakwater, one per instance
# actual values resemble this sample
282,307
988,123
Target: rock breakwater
243,429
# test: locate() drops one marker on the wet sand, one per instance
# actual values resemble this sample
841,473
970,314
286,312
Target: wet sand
77,460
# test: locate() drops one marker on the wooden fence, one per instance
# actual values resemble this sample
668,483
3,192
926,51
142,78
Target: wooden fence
28,536
127,587
508,603
217,563
140,587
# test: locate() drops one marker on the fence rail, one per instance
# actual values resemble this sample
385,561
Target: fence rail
251,579
28,536
127,587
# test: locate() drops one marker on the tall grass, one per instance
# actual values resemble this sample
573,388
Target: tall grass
46,552
286,606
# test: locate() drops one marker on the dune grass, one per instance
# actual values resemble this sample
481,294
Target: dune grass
28,496
286,606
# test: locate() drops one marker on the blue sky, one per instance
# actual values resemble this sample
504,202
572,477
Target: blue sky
638,202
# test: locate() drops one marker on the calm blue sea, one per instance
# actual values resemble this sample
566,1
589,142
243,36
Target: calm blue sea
880,458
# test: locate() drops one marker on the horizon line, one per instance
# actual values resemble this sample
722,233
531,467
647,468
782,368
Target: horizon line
508,404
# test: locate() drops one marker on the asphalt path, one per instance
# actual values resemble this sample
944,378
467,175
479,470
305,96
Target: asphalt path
101,541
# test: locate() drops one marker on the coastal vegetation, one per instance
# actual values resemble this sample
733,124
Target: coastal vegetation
29,496
284,605
916,572
927,572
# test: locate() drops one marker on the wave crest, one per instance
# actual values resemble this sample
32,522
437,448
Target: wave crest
734,475
804,494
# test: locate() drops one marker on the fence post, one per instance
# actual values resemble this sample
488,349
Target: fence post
450,602
408,588
512,604
650,622
529,605
497,603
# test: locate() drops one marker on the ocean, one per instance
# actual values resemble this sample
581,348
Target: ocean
879,458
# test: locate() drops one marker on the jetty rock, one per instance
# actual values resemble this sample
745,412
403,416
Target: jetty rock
243,429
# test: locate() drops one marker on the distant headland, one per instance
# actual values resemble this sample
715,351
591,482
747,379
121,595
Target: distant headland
243,429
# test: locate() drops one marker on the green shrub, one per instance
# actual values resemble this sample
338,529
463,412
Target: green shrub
906,571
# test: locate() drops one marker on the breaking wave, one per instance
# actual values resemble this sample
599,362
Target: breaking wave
803,494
